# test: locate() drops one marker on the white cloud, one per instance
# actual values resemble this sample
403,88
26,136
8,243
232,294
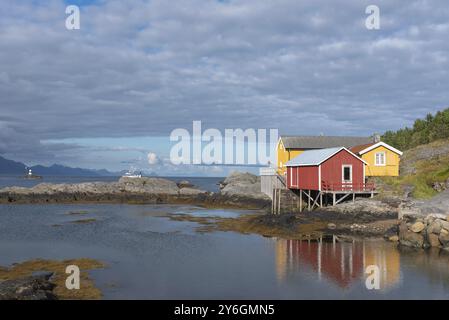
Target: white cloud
139,68
152,158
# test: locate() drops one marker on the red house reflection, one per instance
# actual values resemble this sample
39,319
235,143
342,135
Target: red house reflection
341,263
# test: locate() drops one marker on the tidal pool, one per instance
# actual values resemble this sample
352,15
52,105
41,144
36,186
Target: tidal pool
149,256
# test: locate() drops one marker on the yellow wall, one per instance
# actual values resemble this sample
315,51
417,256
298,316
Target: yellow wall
387,259
390,169
285,155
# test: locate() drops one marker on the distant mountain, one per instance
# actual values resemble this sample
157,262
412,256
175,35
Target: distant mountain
59,170
11,167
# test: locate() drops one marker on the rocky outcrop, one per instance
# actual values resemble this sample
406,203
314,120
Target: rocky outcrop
441,186
30,288
364,210
436,205
243,187
424,231
241,191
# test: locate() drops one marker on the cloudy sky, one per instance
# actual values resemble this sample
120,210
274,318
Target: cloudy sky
108,95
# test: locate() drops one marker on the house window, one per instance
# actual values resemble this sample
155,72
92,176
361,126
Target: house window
347,173
380,159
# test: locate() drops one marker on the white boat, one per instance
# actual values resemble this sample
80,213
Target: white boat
30,175
132,174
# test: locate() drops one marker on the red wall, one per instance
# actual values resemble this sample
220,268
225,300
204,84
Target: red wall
331,169
303,178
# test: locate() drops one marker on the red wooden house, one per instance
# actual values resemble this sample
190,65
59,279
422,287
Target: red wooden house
332,169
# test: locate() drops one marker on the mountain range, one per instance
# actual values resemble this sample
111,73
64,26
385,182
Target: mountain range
10,167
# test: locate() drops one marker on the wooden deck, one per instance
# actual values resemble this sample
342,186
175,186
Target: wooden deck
331,193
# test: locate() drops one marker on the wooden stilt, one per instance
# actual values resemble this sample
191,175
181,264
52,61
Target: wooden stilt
309,200
279,203
300,200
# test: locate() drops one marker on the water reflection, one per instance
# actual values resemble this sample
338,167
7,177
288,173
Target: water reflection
342,263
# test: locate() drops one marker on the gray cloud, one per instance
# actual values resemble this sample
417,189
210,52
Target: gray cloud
139,68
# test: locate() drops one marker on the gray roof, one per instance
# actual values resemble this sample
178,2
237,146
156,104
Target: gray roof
312,157
321,142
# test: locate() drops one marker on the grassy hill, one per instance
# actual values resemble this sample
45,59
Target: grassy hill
421,167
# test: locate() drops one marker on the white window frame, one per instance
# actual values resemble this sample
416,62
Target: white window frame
343,173
378,164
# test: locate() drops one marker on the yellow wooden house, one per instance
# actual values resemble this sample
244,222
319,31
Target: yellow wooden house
383,160
288,147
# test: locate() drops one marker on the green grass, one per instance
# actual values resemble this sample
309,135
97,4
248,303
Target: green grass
427,173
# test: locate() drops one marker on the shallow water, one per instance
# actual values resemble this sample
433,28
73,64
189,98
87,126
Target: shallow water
149,256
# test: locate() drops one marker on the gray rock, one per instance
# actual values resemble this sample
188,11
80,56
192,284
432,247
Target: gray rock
365,210
411,239
331,226
185,184
417,227
434,227
444,238
433,240
30,288
394,238
444,224
243,184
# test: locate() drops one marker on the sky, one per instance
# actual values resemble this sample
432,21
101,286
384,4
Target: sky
109,94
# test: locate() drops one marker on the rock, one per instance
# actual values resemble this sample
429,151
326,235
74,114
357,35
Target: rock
366,210
184,184
434,216
444,238
190,191
331,226
36,287
243,184
411,239
394,238
444,224
391,232
434,227
417,227
433,240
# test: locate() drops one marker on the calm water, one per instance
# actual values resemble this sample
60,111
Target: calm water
150,256
204,183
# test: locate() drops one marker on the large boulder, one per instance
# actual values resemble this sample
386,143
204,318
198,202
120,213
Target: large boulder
149,185
242,185
417,227
433,240
365,210
444,238
411,239
434,227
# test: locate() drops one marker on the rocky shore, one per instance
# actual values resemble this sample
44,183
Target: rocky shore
378,217
239,190
37,287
